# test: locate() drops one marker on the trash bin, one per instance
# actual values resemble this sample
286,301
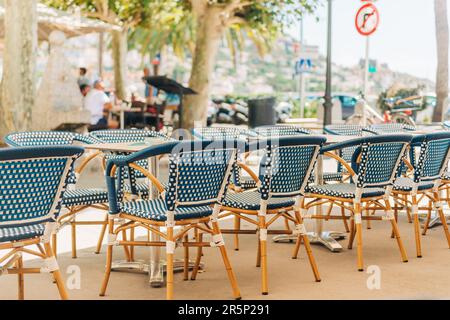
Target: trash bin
261,112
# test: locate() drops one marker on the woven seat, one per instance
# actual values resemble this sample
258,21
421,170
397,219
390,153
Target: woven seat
250,200
407,184
83,197
343,190
333,176
157,210
21,233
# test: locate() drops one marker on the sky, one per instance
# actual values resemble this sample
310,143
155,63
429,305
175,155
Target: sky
405,38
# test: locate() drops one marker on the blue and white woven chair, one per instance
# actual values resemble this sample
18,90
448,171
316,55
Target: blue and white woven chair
389,128
285,170
198,178
32,184
134,185
431,162
75,199
374,169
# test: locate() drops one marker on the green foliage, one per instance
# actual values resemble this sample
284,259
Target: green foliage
121,12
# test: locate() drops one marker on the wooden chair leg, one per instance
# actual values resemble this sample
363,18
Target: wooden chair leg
263,254
415,213
237,226
55,244
227,264
109,256
358,224
102,236
308,249
298,243
56,274
258,253
344,219
408,210
186,260
132,238
351,238
442,217
397,234
198,238
74,238
20,280
427,221
368,222
170,247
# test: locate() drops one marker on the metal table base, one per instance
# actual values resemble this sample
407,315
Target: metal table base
156,273
326,238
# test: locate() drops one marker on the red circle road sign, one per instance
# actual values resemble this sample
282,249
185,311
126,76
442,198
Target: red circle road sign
367,19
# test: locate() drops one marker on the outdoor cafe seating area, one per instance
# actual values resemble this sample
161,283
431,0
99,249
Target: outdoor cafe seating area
238,210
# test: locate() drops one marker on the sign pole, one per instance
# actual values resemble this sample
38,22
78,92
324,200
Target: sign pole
366,81
302,76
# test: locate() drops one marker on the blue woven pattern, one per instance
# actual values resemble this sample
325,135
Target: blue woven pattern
343,190
250,200
22,232
275,131
379,162
126,136
197,177
79,197
407,184
385,128
40,138
436,153
290,167
157,209
29,188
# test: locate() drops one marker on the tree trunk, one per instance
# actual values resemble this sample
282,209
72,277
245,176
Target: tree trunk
442,34
18,83
119,53
209,32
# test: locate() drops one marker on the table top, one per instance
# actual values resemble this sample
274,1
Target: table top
125,147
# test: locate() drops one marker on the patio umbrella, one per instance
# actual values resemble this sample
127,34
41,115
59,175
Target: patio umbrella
51,19
171,86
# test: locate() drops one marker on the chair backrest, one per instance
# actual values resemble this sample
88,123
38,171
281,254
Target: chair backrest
380,159
387,128
32,183
40,138
446,125
344,129
280,131
199,173
126,136
434,151
47,138
287,165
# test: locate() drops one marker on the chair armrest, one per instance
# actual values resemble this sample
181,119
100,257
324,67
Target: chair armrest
150,176
249,171
86,161
342,162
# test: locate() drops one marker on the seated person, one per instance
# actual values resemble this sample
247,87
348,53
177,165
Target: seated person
99,104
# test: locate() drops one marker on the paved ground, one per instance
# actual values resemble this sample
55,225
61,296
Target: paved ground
427,278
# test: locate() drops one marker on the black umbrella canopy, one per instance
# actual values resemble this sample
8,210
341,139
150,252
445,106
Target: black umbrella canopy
168,85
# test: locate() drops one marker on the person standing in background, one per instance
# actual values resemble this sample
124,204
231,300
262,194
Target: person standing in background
83,79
